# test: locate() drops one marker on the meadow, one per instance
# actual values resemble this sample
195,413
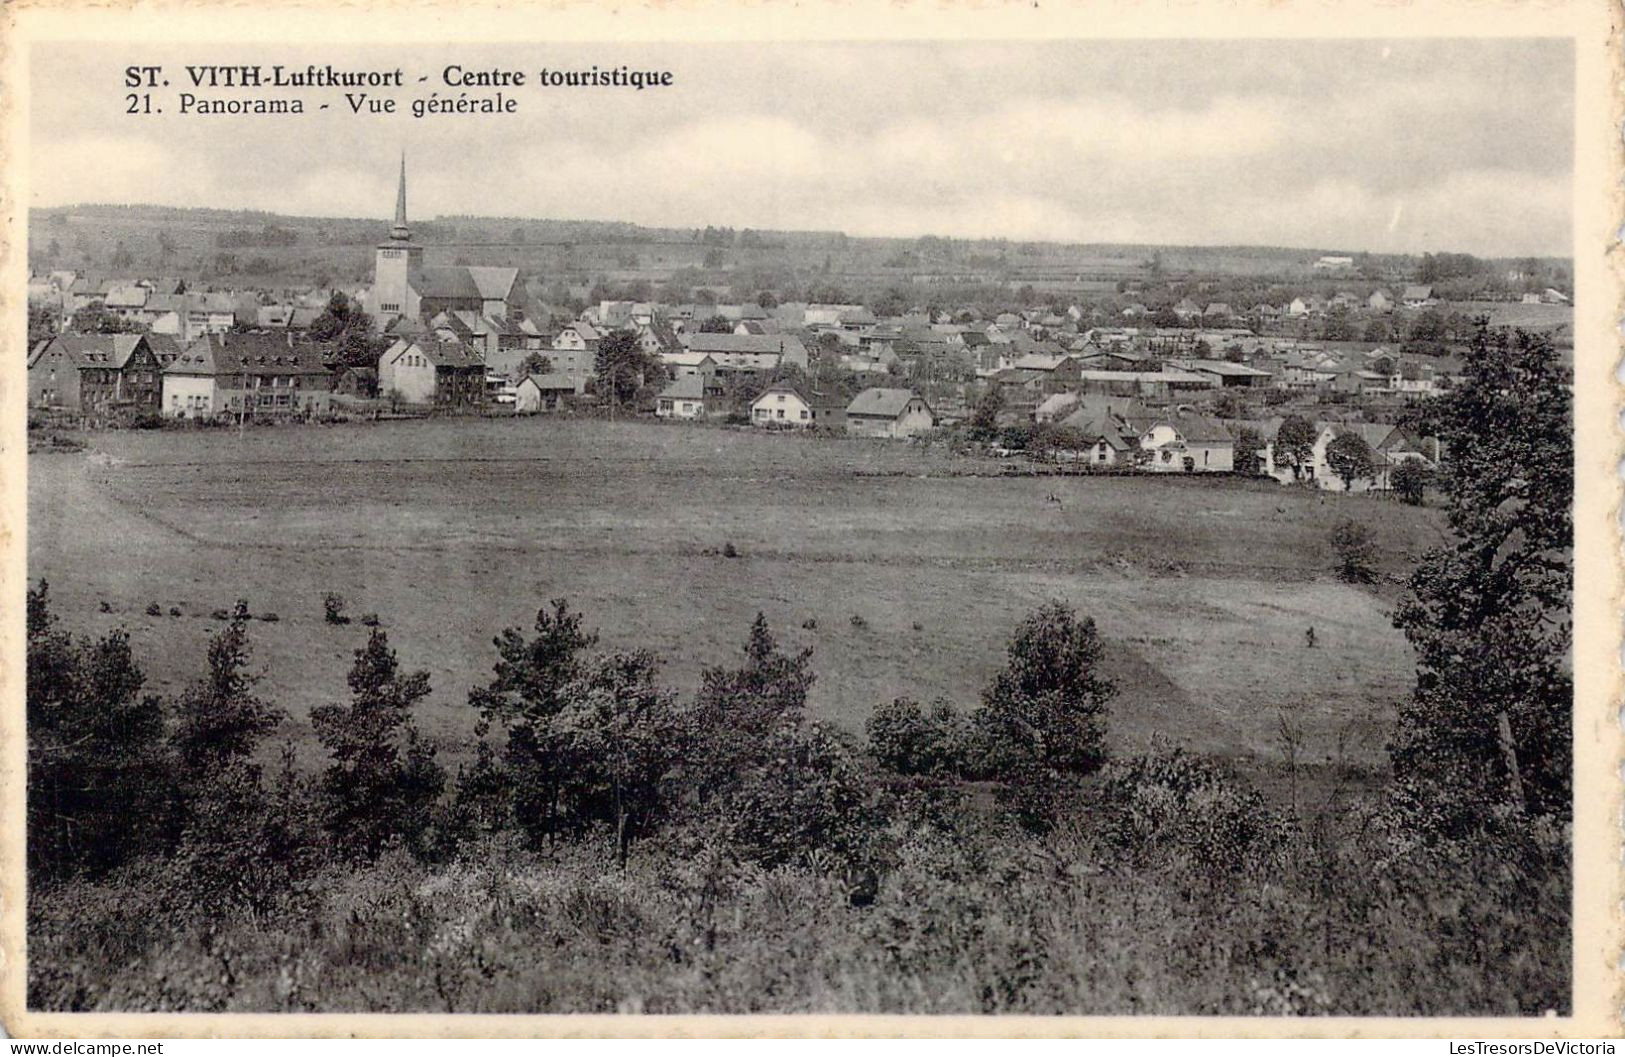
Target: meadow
903,567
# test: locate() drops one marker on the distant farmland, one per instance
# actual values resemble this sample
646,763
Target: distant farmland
904,580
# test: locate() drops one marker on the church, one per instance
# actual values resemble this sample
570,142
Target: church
404,288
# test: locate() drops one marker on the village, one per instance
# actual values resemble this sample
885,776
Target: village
1154,378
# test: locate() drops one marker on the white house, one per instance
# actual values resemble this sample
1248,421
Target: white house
683,398
1188,444
782,406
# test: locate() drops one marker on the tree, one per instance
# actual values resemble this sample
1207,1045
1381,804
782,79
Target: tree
1489,613
1295,444
1410,479
383,782
717,325
123,259
344,324
739,709
1356,551
1248,446
536,363
1350,458
621,365
984,422
526,691
99,780
623,740
220,720
1043,716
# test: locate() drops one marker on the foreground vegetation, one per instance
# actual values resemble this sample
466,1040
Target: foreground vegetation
617,846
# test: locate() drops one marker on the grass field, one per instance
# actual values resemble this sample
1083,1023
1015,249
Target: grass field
452,530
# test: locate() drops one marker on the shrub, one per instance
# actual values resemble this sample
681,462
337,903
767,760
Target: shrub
1411,479
1170,804
1356,551
174,611
810,624
220,614
806,793
369,620
858,621
333,608
154,609
907,739
729,551
269,618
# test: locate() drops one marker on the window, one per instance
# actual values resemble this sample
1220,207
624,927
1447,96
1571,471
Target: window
781,410
803,416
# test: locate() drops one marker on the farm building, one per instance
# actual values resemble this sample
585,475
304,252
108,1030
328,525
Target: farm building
257,374
430,371
889,413
1231,375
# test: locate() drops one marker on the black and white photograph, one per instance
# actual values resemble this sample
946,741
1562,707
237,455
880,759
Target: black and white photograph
940,526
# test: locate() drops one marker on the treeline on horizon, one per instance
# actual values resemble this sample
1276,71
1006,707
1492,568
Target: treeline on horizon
613,846
932,247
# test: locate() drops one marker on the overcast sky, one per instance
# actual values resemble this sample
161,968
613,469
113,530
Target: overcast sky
1383,146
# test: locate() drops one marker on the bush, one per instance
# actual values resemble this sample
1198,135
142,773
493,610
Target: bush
858,621
154,609
1356,550
728,550
269,618
369,620
174,611
907,739
333,608
1170,805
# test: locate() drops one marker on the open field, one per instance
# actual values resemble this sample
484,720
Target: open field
452,530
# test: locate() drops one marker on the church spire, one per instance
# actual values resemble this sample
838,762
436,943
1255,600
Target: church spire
400,230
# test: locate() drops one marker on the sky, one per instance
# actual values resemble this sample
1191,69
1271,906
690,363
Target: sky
1380,146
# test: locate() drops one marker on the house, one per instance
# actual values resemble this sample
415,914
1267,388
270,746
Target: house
1187,309
750,352
257,374
579,336
881,412
1417,296
1334,264
685,397
95,372
543,392
1553,296
427,370
1298,307
1216,310
1379,301
1188,443
1148,385
782,407
690,364
1106,440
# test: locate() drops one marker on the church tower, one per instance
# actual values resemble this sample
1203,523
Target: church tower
396,266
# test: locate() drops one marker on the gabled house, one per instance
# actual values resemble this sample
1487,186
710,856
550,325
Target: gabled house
685,397
543,392
750,352
1188,443
782,407
95,372
427,370
896,413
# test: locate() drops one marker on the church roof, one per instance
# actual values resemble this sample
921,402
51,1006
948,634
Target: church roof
464,282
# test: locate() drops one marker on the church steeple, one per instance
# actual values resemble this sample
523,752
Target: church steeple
400,232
